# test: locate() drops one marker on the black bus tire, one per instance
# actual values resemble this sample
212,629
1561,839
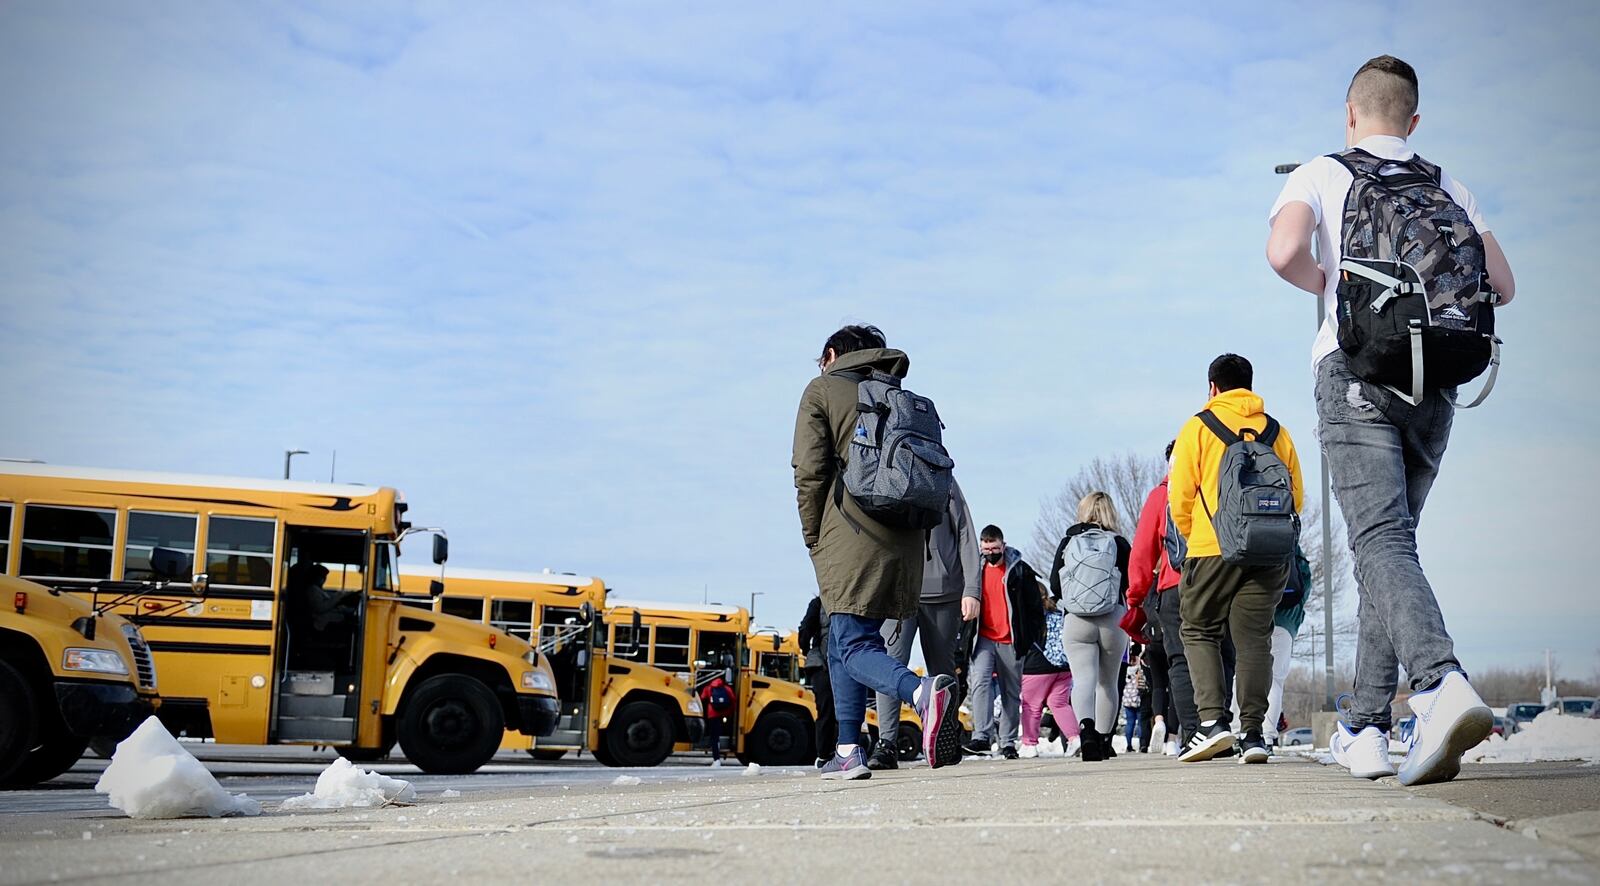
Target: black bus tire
781,738
640,734
451,725
17,721
909,741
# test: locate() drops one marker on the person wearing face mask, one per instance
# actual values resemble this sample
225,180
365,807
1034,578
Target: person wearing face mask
1008,616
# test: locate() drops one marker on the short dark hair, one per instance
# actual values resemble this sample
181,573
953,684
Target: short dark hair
991,533
1385,87
1168,453
852,338
1231,371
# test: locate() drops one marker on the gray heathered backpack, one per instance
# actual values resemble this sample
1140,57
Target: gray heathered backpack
1091,581
1255,519
897,469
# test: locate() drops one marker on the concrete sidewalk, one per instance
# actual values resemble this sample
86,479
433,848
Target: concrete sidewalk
1046,820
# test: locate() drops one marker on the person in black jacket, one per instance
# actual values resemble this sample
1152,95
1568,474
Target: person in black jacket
1095,642
1007,619
814,644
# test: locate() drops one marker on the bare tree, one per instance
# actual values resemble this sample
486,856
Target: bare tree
1309,645
1127,478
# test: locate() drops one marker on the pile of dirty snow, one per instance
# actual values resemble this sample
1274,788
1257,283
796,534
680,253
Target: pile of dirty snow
1551,736
152,776
343,784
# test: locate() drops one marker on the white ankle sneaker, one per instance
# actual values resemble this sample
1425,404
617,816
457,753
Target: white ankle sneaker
1158,731
1028,751
1451,720
1364,753
1170,748
1074,745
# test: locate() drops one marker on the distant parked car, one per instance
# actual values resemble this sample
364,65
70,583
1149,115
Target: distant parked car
1522,712
1297,737
1500,726
1575,705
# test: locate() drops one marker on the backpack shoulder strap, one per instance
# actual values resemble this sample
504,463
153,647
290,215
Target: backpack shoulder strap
1359,162
1269,434
1222,431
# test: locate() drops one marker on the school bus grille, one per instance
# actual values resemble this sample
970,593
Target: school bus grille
142,662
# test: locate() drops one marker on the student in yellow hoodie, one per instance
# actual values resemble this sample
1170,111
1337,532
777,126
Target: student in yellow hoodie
1216,595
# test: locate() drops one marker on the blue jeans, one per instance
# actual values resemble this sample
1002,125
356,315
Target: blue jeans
1130,727
859,663
1384,454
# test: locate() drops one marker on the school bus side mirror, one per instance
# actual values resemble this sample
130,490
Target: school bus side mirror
201,582
586,613
435,588
441,550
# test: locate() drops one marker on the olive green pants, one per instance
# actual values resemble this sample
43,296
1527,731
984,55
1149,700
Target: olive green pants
1217,596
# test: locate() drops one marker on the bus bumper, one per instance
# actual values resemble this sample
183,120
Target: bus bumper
696,729
92,709
538,714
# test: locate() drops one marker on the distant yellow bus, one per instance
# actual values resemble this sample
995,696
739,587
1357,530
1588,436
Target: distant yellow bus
621,712
776,716
303,635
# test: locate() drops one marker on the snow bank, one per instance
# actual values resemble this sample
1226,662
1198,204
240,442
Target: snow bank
152,776
343,784
1551,736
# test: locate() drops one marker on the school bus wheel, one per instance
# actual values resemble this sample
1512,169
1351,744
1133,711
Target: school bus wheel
640,734
782,738
546,754
908,739
17,721
451,725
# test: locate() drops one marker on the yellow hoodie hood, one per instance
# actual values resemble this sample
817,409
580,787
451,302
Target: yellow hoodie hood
1197,457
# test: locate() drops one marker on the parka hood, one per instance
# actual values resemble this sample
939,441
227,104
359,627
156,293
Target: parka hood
889,360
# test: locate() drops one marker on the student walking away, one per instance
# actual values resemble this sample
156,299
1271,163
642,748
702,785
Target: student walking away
1147,709
1047,677
1236,495
871,478
1154,565
1286,621
1008,615
718,700
949,572
814,645
1090,576
1412,277
1132,701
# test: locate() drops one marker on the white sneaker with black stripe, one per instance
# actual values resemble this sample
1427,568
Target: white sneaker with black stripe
1213,738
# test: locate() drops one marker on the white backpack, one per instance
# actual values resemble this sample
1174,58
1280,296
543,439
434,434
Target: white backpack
1091,582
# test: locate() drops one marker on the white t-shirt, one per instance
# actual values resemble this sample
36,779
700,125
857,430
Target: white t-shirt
1323,184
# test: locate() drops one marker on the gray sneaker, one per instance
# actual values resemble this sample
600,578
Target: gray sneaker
851,768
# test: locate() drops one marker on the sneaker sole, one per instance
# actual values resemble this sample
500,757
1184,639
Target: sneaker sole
1213,747
858,773
1444,763
1255,755
941,739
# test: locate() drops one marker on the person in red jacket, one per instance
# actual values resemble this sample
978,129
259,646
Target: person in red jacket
720,705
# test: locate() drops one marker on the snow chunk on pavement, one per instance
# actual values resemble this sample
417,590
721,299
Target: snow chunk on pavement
343,784
447,793
626,780
152,776
752,769
1550,737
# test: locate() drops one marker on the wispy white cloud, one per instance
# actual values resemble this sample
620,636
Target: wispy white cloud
558,272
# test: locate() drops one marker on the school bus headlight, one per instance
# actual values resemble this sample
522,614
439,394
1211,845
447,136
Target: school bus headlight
694,706
536,680
99,661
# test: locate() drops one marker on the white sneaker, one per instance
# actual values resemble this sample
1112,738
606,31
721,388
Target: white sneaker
1074,745
1028,751
1170,748
1451,720
1158,731
1364,753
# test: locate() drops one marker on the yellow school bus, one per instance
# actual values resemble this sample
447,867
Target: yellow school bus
303,635
776,717
621,712
70,674
776,654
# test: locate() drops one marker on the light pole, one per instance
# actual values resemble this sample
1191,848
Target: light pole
288,456
753,596
1329,701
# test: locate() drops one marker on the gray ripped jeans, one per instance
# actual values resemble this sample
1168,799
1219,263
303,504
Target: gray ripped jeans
1384,454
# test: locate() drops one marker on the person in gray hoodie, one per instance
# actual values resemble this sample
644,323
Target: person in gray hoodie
950,572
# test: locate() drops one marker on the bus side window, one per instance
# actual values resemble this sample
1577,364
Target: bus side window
470,608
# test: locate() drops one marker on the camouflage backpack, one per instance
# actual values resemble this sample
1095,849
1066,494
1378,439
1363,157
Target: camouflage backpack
1415,309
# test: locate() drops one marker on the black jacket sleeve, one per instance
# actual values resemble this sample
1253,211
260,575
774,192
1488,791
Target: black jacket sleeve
1124,552
1055,567
811,625
1029,608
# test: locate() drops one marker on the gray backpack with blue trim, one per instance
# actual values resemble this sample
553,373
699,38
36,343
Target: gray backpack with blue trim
1254,517
897,468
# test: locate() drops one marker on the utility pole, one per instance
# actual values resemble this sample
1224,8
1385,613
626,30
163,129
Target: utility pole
288,456
753,596
1329,702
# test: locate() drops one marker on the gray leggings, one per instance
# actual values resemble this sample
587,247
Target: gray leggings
1094,651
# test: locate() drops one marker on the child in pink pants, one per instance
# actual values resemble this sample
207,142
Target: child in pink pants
1039,691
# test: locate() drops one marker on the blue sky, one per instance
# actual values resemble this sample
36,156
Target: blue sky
559,273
